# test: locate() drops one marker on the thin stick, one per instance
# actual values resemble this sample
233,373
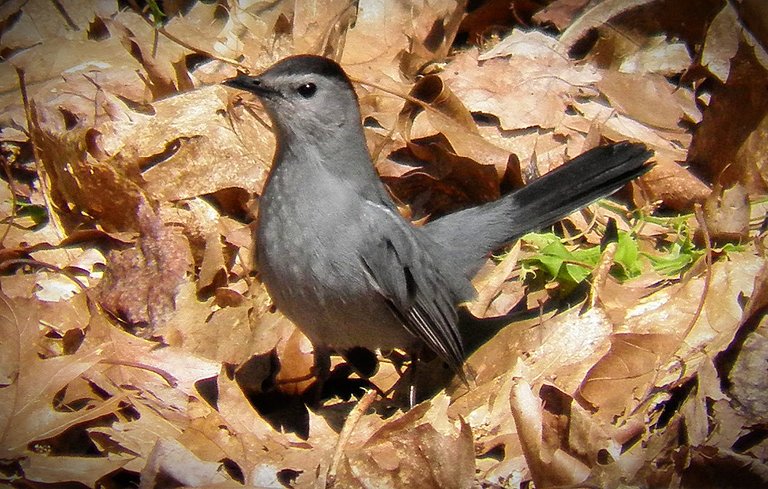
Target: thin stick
346,433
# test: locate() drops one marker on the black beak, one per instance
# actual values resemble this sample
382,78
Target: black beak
248,83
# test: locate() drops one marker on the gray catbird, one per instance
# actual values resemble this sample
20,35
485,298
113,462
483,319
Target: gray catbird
334,253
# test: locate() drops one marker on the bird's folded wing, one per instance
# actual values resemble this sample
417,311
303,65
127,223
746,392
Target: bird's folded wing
415,290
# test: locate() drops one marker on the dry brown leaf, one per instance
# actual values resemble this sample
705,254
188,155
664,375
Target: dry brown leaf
432,91
721,43
560,13
673,185
548,463
260,36
82,184
447,116
135,438
728,145
564,347
320,27
198,328
660,326
164,379
618,127
172,463
746,382
600,14
383,33
191,145
213,269
160,79
445,181
489,286
488,413
63,469
525,81
726,212
296,361
57,58
659,55
616,382
421,448
629,94
31,382
237,432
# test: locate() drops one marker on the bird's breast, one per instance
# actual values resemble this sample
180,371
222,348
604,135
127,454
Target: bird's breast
308,254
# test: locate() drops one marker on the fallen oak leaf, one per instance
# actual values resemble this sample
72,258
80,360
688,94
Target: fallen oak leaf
421,448
27,411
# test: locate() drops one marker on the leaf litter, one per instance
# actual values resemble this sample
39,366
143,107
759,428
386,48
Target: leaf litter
139,348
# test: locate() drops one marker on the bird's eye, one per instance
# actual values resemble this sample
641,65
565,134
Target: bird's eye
307,89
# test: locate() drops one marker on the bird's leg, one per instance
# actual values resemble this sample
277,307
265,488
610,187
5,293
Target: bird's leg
412,380
321,370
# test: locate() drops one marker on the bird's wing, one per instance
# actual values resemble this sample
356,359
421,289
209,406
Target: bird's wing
417,291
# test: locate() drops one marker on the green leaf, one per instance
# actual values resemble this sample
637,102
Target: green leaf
627,257
676,259
37,213
558,263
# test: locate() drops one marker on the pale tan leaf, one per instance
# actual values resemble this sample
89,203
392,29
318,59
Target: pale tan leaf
66,469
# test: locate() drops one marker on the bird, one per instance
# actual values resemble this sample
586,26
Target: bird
340,261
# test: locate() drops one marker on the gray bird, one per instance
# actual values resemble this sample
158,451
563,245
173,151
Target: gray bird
334,253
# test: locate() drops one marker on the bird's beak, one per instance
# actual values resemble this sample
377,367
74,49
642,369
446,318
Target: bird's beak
251,84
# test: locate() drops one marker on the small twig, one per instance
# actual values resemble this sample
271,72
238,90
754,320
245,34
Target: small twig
185,44
601,272
591,224
707,272
346,432
12,188
409,98
155,42
167,377
295,380
42,175
35,263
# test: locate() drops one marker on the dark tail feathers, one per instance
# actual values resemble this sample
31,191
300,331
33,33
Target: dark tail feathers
471,234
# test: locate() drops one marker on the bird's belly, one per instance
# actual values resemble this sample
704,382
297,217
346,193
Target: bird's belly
315,277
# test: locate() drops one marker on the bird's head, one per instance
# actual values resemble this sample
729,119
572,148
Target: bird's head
306,96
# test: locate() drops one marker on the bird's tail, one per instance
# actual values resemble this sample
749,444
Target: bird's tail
471,234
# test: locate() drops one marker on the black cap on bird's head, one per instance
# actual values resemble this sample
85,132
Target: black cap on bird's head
309,64
298,65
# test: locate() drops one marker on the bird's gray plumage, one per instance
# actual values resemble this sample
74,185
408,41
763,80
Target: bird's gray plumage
334,253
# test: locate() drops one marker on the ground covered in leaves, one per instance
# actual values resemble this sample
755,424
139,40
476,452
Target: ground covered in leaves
138,348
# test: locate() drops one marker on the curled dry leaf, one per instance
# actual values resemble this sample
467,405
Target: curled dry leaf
421,448
441,181
549,465
721,43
